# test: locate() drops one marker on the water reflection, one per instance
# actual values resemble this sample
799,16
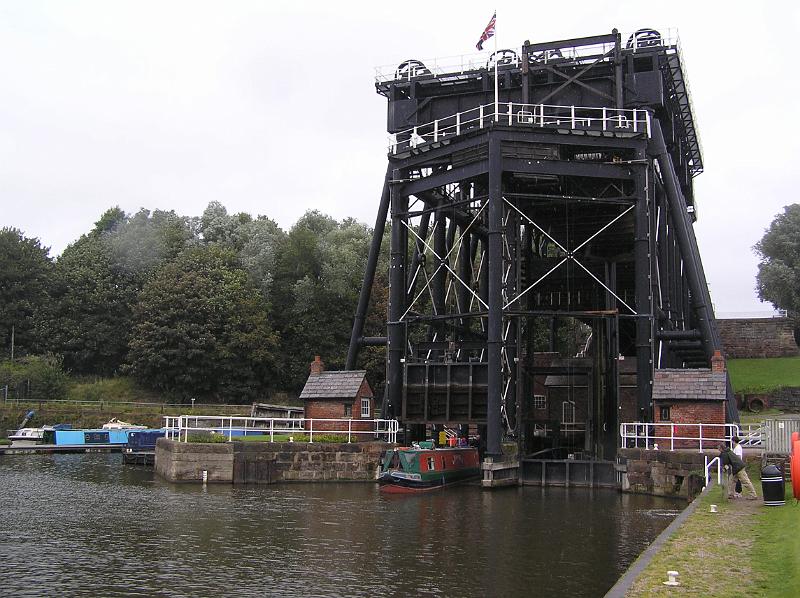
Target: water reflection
78,524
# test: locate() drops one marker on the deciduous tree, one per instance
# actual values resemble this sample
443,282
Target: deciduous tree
778,278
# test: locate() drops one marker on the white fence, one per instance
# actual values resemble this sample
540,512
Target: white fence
179,427
669,436
599,120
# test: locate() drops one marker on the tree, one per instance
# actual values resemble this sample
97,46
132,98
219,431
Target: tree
256,241
778,278
97,281
25,270
201,328
318,277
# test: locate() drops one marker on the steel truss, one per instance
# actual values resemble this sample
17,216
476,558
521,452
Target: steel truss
502,229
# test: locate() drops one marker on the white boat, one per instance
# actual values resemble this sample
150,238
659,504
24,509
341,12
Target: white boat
26,435
115,424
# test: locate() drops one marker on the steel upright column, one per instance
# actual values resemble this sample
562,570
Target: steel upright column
495,325
397,296
642,289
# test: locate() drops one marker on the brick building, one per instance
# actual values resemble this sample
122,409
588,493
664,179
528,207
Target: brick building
342,394
691,396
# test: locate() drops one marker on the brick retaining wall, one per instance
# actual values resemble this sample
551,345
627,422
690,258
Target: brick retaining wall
264,463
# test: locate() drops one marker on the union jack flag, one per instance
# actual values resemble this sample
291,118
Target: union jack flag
487,33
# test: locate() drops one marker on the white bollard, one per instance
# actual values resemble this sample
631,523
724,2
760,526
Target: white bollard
713,508
205,476
672,579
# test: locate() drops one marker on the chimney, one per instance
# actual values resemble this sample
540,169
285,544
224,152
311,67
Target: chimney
317,366
717,362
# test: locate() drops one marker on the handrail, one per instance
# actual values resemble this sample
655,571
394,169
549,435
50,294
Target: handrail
459,65
179,427
708,464
600,119
652,433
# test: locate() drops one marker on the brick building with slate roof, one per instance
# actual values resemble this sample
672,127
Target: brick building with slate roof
690,396
342,394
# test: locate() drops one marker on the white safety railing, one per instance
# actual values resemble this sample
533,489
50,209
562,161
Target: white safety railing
464,64
669,436
179,427
707,468
751,435
601,120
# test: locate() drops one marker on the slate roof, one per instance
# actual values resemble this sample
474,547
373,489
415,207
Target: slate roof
343,384
692,385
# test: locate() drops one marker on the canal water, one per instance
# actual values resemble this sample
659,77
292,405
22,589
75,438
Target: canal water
85,525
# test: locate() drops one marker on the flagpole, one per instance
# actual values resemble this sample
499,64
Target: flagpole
496,80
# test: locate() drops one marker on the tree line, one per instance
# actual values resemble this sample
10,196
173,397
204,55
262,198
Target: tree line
224,307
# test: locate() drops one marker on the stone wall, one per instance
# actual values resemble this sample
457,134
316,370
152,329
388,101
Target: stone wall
762,337
785,399
264,463
662,473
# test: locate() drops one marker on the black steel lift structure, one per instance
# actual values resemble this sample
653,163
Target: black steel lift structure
567,196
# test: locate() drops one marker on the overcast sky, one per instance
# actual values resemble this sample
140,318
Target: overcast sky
270,108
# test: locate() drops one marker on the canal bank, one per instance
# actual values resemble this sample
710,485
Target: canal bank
744,548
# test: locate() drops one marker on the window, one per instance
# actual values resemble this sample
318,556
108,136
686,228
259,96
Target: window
364,407
348,410
431,465
664,413
539,402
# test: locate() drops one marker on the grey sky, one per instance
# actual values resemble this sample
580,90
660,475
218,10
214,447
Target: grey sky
270,109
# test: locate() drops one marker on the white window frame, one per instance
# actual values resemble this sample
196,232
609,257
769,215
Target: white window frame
365,407
539,402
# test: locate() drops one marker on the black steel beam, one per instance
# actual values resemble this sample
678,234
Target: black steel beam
494,430
445,177
369,274
569,168
397,299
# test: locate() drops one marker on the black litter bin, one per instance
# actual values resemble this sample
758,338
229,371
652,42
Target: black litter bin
772,485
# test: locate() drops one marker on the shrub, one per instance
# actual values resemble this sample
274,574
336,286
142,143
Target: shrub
207,438
34,378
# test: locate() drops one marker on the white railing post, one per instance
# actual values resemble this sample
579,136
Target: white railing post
436,130
604,118
672,437
701,438
572,116
458,123
647,121
510,114
646,437
349,429
480,117
635,121
272,430
311,430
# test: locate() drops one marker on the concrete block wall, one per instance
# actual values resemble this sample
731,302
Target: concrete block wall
762,337
286,461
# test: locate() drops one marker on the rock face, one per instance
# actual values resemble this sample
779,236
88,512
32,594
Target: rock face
762,337
267,463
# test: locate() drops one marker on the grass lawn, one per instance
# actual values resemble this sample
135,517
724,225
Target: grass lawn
764,375
746,549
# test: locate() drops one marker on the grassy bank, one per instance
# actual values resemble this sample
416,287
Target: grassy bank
746,549
764,375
